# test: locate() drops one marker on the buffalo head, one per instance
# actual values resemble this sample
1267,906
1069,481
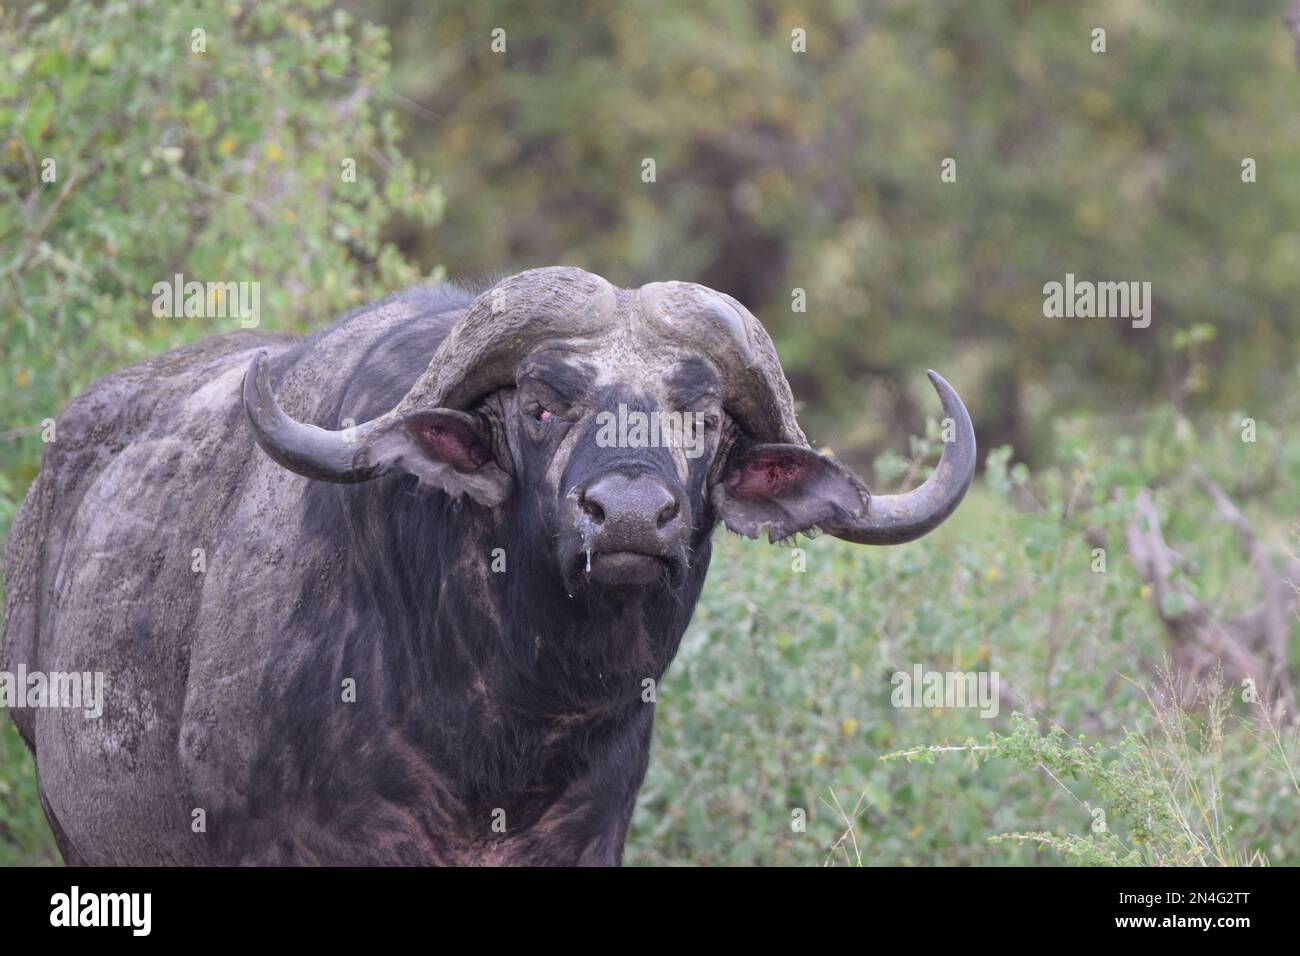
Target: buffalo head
624,422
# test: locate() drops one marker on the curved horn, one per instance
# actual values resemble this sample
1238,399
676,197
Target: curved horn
440,446
757,393
305,449
483,350
758,397
479,354
895,519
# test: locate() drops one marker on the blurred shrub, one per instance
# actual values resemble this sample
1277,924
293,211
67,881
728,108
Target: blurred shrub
25,838
127,156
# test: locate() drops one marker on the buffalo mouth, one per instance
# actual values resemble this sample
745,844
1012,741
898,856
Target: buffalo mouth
628,568
625,569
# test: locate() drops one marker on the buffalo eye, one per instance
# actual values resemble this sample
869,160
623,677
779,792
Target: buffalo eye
705,422
540,414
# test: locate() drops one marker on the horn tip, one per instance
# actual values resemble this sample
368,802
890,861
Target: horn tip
258,363
258,397
262,370
947,394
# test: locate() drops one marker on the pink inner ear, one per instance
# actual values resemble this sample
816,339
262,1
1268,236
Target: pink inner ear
770,475
450,441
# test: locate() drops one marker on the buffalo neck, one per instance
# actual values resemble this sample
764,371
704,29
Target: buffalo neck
466,644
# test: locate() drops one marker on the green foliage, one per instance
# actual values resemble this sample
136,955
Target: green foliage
25,839
1159,798
222,165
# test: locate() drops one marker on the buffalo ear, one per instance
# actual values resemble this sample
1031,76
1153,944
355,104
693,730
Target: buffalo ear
785,488
447,449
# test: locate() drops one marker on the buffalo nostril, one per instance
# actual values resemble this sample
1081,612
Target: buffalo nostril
668,512
591,509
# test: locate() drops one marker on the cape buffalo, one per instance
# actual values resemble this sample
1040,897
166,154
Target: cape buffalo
416,630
